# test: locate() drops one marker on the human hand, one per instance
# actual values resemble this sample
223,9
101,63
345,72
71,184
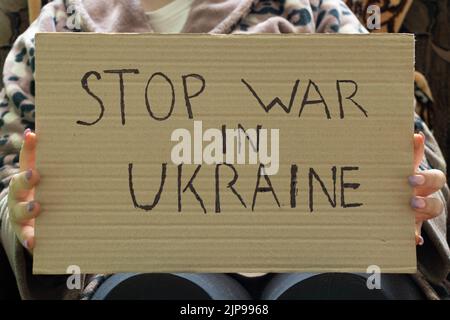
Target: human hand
425,183
22,207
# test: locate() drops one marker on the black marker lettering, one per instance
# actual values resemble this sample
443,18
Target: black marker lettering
120,72
84,84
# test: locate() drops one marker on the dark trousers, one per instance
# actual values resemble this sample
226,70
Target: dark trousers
288,286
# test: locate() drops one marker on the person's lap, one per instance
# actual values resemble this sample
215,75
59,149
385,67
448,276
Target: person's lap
286,286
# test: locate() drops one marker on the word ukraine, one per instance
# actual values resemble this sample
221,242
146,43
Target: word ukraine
225,147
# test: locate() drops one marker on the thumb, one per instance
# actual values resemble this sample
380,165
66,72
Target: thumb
419,149
27,157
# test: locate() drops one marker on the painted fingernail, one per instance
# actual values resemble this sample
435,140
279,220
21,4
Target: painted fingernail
416,180
25,244
421,241
418,203
30,206
27,131
29,174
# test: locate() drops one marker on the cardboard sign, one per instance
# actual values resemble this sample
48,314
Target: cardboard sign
200,153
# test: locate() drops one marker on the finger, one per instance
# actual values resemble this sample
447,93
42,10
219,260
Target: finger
22,183
426,207
427,182
419,149
24,211
25,235
27,158
419,238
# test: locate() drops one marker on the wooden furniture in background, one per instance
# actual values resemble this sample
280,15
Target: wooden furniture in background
34,7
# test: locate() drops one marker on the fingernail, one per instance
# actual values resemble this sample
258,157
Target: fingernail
29,174
418,203
27,131
30,206
416,180
25,244
421,241
422,134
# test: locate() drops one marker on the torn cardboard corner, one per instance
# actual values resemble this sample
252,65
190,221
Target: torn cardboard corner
199,153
